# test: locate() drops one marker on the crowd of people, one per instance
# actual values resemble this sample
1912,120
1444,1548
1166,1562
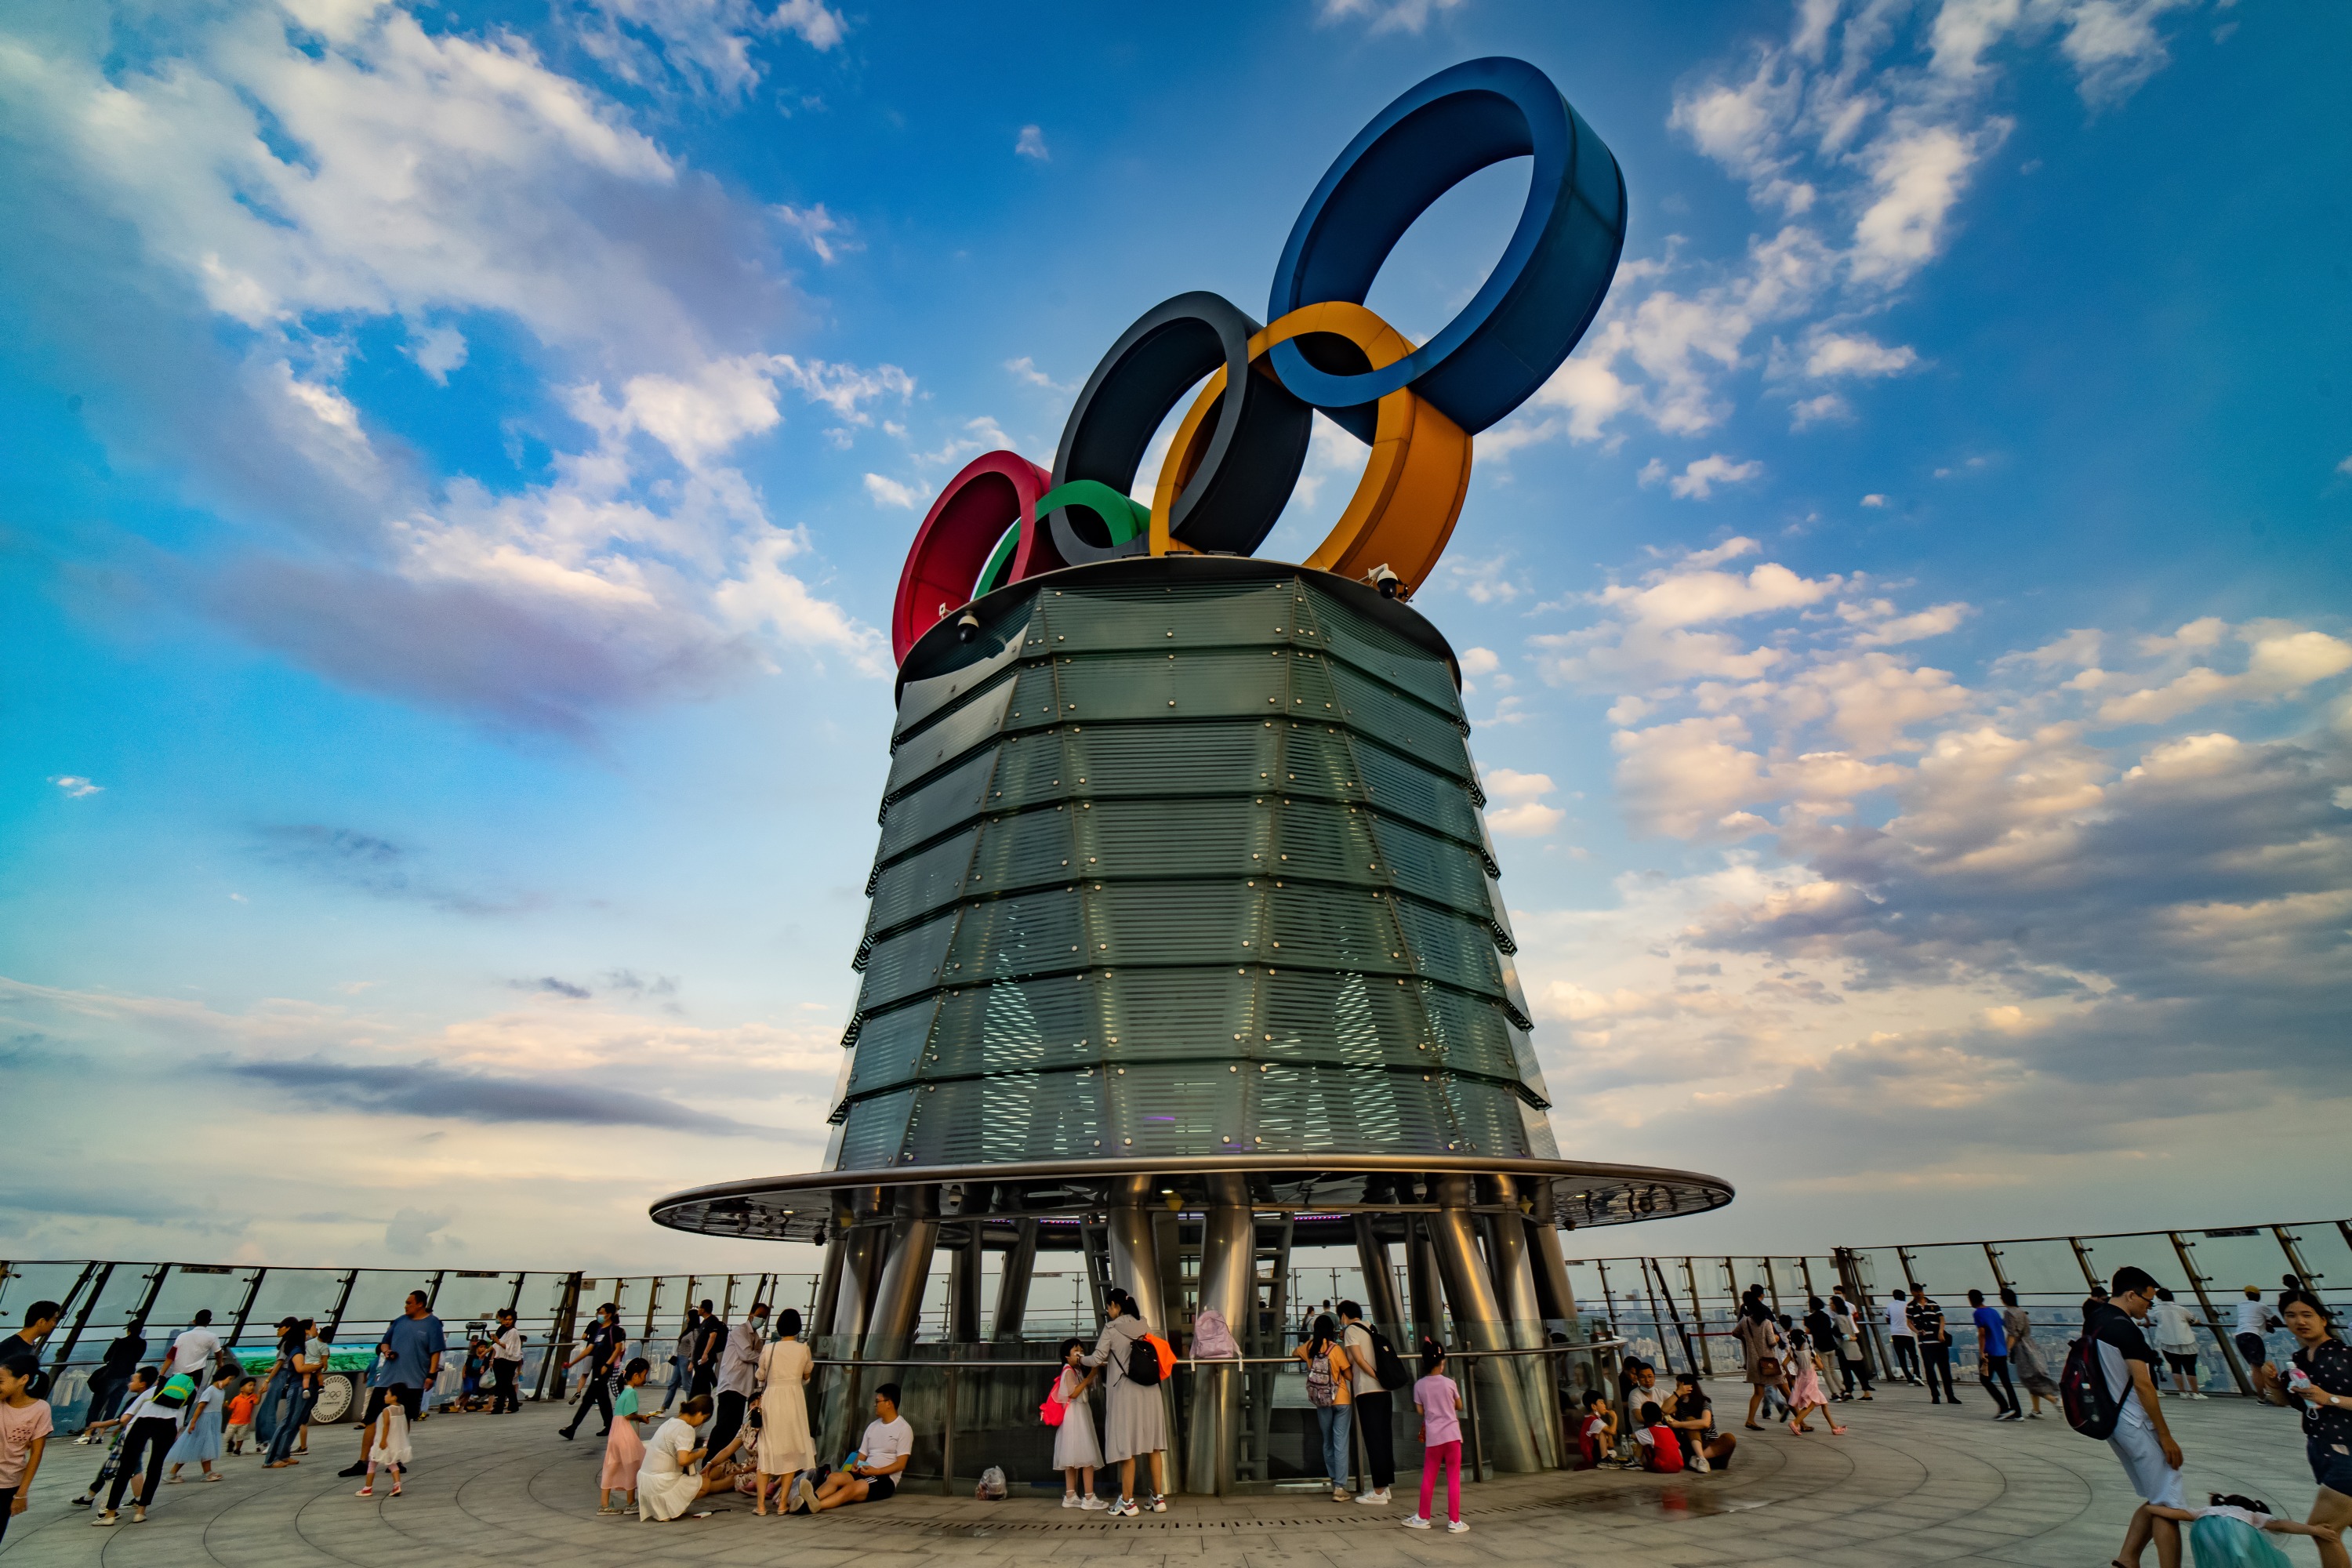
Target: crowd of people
741,1423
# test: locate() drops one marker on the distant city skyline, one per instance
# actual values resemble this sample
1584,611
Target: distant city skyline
461,457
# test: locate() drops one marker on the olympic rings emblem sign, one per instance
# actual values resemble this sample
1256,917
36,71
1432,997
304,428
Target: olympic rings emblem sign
1238,452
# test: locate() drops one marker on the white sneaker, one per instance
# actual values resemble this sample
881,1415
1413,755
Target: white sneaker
1070,1500
1699,1463
1158,1504
1415,1522
2199,1396
1457,1528
1377,1496
1092,1504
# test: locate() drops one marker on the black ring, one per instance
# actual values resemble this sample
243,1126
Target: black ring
1253,457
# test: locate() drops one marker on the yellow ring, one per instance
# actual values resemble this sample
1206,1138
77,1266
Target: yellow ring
1404,507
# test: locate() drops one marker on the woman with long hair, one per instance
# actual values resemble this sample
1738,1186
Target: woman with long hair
2318,1382
1329,1389
1764,1350
2026,1357
1135,1421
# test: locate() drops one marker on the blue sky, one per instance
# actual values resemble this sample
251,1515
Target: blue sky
459,460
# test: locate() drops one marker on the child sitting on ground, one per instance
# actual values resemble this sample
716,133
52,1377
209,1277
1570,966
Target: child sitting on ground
2228,1532
1662,1449
240,1414
1596,1430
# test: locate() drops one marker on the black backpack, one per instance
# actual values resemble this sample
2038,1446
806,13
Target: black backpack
2090,1405
1142,1361
1387,1365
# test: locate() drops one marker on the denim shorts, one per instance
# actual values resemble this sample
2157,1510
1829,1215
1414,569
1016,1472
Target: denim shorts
2331,1464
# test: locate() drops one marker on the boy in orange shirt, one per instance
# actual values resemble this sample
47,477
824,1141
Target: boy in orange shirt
240,1414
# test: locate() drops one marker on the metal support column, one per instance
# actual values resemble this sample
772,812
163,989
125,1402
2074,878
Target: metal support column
898,1299
57,1362
334,1318
963,1288
1514,1290
245,1308
1420,1275
1380,1303
828,1287
1470,1293
1013,1285
1228,1288
2294,1258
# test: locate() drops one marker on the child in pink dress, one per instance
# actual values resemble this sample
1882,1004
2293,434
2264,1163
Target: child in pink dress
1439,1400
1805,1392
625,1451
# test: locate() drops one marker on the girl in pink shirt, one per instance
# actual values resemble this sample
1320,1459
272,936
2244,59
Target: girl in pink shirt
1439,1400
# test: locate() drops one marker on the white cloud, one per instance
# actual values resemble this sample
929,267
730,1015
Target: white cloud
1025,369
2281,661
1522,813
76,786
2344,467
829,237
891,492
1387,16
1874,501
1856,353
707,44
1031,144
1827,407
1478,661
1701,474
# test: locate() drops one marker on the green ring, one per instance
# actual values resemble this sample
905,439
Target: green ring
999,561
1121,516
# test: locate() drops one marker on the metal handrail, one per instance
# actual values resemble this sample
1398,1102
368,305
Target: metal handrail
1464,1354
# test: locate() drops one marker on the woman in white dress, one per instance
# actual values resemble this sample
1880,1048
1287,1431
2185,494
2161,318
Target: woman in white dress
666,1483
785,1448
1075,1452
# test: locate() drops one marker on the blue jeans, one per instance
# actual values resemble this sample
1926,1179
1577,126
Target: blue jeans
1334,1420
298,1401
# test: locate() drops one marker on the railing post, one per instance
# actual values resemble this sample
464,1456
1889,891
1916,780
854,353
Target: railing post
342,1304
2294,1258
2083,1261
1699,1318
1478,1438
2212,1318
73,1334
947,1434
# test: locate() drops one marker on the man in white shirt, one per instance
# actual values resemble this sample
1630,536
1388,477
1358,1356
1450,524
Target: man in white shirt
1375,1418
196,1349
2255,1321
506,1365
1907,1343
881,1455
738,1371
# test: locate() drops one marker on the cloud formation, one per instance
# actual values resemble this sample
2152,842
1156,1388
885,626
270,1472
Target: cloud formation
2098,896
1857,136
291,181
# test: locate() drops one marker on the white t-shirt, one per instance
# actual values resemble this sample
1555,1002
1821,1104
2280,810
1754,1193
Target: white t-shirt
885,1443
194,1351
1357,1341
2228,1511
2176,1330
665,1455
1897,1324
2254,1316
509,1346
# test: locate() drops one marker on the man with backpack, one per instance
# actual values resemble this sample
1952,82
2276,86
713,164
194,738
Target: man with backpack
2109,1391
1373,1362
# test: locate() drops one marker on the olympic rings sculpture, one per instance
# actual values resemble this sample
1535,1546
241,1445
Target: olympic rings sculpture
1238,452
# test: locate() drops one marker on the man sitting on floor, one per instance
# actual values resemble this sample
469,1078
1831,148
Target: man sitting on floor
873,1475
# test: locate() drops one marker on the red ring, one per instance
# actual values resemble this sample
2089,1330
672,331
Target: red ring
994,491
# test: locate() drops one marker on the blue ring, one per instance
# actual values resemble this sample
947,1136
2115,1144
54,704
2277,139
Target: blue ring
1542,294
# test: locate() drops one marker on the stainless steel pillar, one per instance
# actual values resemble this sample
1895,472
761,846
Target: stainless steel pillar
1503,1416
828,1289
1228,1262
1380,1303
898,1299
1013,1285
1515,1285
1420,1275
862,1246
1135,1251
963,1288
1551,1274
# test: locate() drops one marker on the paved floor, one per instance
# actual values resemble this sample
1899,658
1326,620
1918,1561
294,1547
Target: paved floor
1909,1484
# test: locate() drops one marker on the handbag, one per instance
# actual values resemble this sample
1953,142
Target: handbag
1769,1366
